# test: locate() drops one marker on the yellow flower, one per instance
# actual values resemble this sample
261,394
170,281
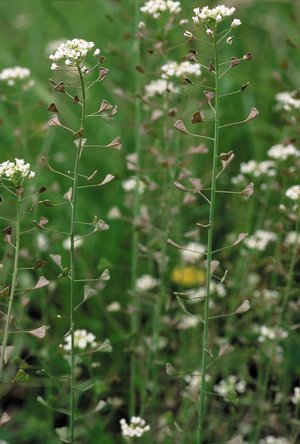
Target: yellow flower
187,276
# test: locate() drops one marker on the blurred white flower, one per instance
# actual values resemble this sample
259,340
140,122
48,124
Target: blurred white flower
192,252
230,384
160,87
282,152
78,241
296,396
288,100
187,322
133,183
273,440
82,340
175,69
154,8
271,334
114,213
291,238
293,192
17,75
136,428
146,283
260,240
235,23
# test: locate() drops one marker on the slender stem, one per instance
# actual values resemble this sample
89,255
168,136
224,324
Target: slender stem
202,394
72,265
13,284
136,210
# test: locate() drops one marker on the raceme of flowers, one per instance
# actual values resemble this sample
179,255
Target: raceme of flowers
283,152
288,100
229,385
16,171
154,8
160,87
211,17
175,69
260,240
82,340
72,52
136,428
16,74
271,334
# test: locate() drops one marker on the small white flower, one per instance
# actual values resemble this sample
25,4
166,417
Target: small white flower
288,100
160,87
192,252
228,385
273,440
146,283
155,8
293,192
78,241
82,340
136,428
271,334
260,240
132,184
296,396
283,152
141,25
16,171
217,14
17,75
73,52
174,69
229,40
235,23
291,239
114,213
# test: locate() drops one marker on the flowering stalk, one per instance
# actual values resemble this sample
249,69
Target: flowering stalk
16,173
14,282
136,211
211,220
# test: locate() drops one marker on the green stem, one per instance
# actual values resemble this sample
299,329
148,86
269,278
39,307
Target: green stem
136,210
13,284
72,264
202,394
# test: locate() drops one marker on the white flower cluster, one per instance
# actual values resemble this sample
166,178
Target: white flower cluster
174,69
12,75
296,396
214,15
260,240
156,7
273,440
255,169
199,294
288,100
135,429
146,283
293,192
72,52
82,340
291,239
132,184
192,252
266,294
16,171
282,152
160,87
271,334
187,322
230,384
